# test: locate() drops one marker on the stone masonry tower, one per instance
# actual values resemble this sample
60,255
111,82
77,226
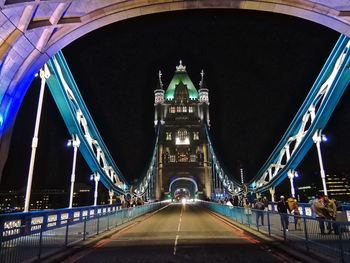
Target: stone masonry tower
182,113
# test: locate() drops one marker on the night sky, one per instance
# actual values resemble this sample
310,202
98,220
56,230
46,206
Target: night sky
258,67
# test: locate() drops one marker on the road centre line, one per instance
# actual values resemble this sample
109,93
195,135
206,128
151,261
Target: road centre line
178,231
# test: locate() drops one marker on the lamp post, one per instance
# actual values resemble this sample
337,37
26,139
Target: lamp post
44,75
318,138
96,178
111,194
75,142
291,175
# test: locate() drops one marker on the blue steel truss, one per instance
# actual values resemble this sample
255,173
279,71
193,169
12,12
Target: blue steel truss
309,120
230,184
296,142
146,185
80,123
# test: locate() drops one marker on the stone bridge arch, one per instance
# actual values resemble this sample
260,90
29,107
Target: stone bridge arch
32,31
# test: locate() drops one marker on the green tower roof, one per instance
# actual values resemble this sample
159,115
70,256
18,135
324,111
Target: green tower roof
181,75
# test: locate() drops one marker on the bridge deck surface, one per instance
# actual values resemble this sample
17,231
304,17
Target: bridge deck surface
180,233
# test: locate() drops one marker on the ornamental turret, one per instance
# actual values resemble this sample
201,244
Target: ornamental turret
158,100
159,91
204,100
203,90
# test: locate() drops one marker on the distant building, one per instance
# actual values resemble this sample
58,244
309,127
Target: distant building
11,201
48,199
338,186
83,195
307,193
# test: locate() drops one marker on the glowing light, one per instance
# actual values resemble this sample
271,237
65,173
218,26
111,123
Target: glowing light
324,138
186,141
183,201
296,174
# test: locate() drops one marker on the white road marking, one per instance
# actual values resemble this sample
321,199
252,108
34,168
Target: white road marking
178,230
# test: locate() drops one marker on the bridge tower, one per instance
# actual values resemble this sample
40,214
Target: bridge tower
182,112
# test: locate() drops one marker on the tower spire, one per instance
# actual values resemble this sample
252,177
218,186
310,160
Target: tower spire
160,79
180,68
202,84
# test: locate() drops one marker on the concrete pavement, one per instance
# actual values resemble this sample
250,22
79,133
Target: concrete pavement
180,233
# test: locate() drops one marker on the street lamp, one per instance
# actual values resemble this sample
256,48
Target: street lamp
111,194
44,75
318,138
75,142
291,175
96,178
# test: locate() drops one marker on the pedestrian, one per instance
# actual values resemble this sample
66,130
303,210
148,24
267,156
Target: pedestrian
247,211
266,203
291,201
321,212
296,214
332,210
259,206
282,208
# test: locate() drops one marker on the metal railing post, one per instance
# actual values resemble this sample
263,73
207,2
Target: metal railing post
340,242
98,224
283,215
40,241
306,234
107,221
84,233
66,237
268,222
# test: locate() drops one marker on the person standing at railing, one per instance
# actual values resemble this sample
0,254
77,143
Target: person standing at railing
332,210
318,207
259,206
296,214
247,211
291,201
266,203
282,208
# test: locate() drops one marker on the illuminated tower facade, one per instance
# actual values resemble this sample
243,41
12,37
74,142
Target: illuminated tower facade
182,113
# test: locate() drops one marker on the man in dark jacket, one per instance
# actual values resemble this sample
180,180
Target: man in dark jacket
282,208
259,206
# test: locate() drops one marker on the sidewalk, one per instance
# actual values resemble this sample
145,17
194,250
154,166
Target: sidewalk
91,241
278,243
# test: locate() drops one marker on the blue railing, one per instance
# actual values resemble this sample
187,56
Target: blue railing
35,235
326,238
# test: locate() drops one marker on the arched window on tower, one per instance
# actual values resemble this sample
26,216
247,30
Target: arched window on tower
182,137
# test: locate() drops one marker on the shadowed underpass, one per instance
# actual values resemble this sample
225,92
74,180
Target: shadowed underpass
180,233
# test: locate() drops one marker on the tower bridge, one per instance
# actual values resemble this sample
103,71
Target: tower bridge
182,112
184,161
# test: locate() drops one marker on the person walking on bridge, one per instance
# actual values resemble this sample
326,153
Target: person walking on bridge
332,210
318,207
259,206
282,208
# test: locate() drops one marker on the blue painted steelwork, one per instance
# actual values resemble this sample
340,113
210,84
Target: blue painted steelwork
27,237
79,121
311,117
15,225
147,183
232,185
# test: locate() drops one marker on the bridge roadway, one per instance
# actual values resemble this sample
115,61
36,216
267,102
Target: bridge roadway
180,233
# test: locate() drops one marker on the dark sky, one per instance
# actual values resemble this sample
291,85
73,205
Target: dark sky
259,68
